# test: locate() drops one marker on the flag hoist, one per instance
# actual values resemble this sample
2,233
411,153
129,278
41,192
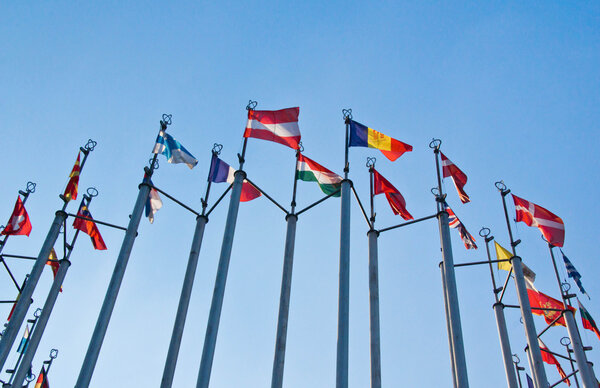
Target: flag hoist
24,301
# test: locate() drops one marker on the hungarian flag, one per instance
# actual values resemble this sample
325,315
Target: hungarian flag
19,221
459,178
42,381
549,358
153,203
363,136
551,225
280,126
587,320
71,189
310,171
543,301
222,172
395,199
504,254
89,227
53,263
465,236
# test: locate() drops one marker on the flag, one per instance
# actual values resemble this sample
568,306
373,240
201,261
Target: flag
504,254
173,150
573,273
465,236
529,381
543,301
310,171
89,227
587,320
71,189
549,358
551,225
42,381
24,341
222,172
395,199
12,310
280,126
459,178
153,203
18,223
53,263
363,136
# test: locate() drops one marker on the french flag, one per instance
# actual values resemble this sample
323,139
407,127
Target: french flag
222,172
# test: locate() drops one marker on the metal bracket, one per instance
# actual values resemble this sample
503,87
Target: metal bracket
251,105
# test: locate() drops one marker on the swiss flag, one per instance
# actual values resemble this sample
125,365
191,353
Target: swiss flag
19,221
551,225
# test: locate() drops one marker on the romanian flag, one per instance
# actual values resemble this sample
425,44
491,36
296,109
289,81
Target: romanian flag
363,136
310,171
395,199
89,227
279,126
71,189
42,381
587,320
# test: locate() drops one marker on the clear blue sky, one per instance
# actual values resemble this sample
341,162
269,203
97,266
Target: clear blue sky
511,88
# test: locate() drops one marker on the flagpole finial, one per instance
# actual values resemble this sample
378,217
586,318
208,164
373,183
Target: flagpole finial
153,164
565,341
251,105
53,353
30,377
92,192
37,313
167,119
347,114
30,187
89,146
217,148
371,162
300,147
500,186
435,144
484,232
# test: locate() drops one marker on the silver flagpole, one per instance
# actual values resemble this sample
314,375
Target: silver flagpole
511,378
91,356
535,355
25,300
188,283
344,277
460,363
374,289
286,284
448,328
37,334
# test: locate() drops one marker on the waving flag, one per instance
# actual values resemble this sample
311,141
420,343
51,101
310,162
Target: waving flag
529,381
459,178
543,301
395,199
310,171
587,320
573,273
465,236
53,263
24,341
504,254
549,358
280,126
19,223
71,189
363,136
153,203
551,225
42,381
89,227
173,150
222,172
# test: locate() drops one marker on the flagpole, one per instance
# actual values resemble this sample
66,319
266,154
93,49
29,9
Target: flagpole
460,363
374,288
214,317
511,378
30,189
25,300
33,322
37,334
535,355
566,341
448,327
518,368
188,283
91,356
580,357
286,284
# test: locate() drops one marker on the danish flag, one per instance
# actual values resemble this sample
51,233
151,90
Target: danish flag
551,225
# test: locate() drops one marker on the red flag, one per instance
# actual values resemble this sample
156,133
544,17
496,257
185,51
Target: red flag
459,178
89,227
71,189
42,381
280,126
465,236
19,221
395,199
549,358
543,301
551,225
249,192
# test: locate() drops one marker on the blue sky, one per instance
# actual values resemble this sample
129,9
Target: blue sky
511,88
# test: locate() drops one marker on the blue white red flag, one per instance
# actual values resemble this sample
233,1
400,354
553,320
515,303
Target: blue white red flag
455,223
223,172
173,150
153,203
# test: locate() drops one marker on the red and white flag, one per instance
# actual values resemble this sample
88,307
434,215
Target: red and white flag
19,221
280,126
459,178
551,225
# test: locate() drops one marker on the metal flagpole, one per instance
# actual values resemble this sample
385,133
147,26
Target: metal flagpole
580,357
34,321
30,189
344,277
37,334
188,283
535,355
460,363
566,341
448,328
214,317
91,356
25,300
286,284
511,377
518,368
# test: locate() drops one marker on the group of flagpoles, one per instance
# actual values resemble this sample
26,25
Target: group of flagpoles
34,321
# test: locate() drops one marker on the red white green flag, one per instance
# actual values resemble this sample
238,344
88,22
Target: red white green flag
587,320
310,171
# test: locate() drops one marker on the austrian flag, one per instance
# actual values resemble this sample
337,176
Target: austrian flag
280,126
551,225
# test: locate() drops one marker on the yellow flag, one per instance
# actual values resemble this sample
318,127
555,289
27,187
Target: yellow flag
503,254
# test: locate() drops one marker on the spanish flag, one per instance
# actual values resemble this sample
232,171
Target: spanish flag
71,189
363,136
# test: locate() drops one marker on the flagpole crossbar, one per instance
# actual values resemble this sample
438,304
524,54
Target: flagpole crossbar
92,220
219,200
551,324
534,308
268,197
10,273
170,197
505,284
360,204
3,255
409,223
480,262
317,202
564,379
